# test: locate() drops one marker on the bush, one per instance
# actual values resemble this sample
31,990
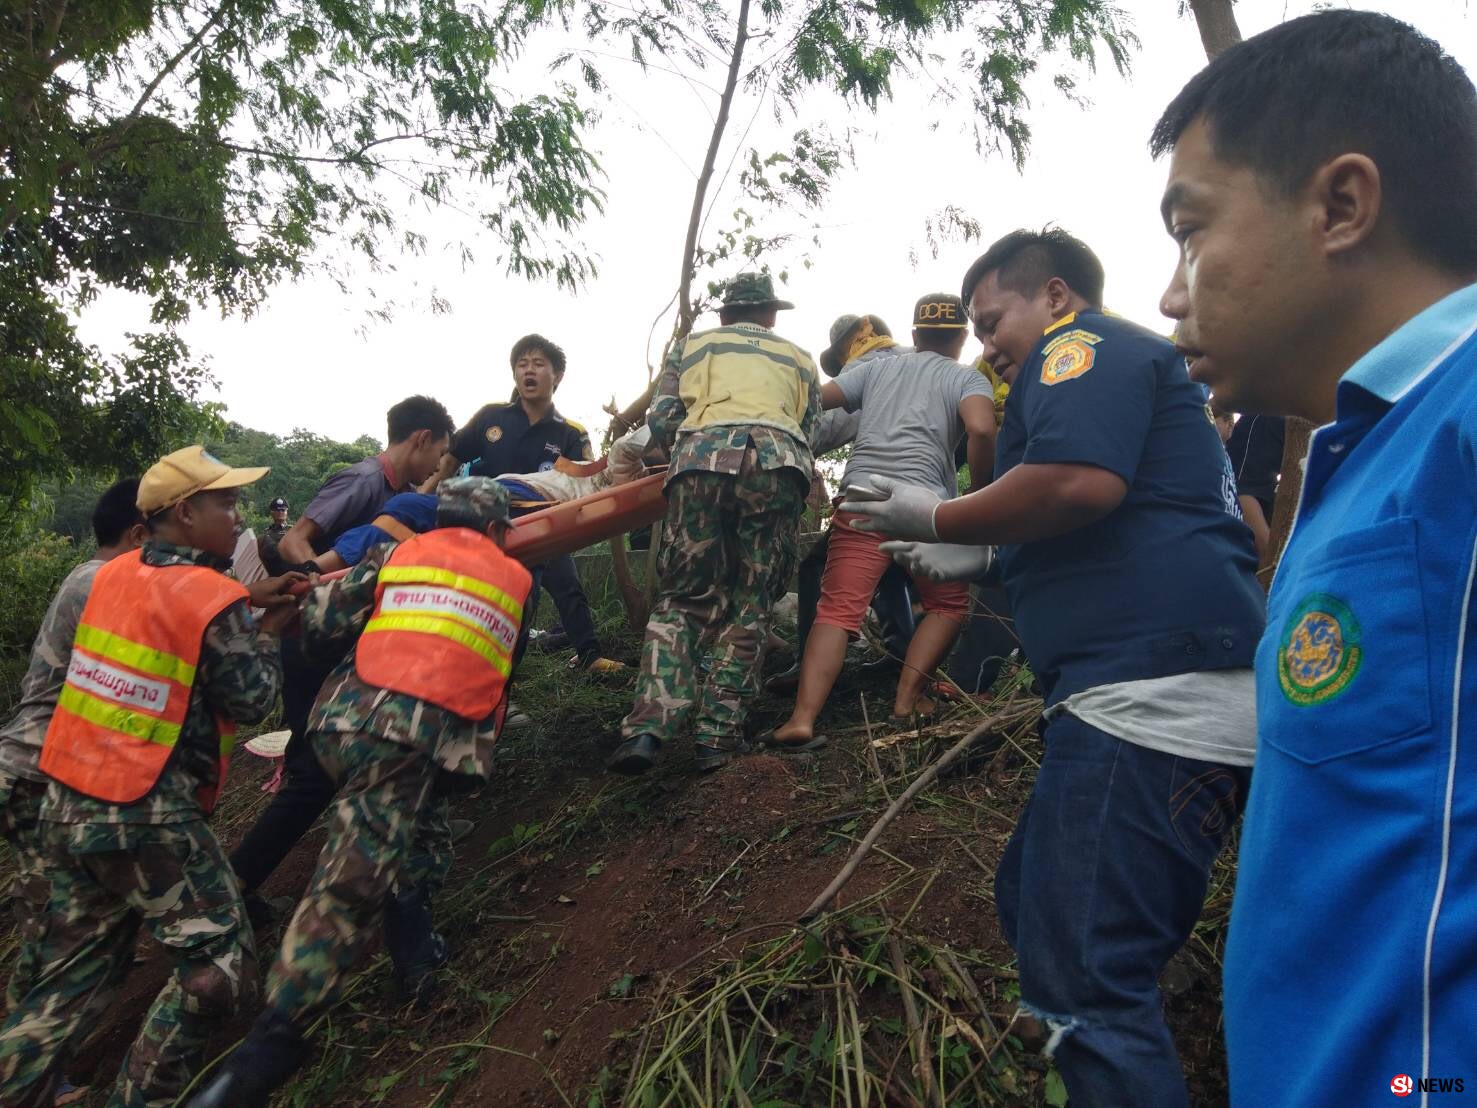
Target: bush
32,566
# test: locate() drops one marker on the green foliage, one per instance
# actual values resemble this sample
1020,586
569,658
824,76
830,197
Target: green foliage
199,154
300,463
979,55
32,565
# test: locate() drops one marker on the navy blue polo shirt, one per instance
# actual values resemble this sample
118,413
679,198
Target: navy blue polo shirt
499,439
1352,956
1166,582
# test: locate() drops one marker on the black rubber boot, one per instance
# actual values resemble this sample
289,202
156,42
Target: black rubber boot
272,1053
635,756
416,948
711,752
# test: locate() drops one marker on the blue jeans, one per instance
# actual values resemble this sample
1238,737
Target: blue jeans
1100,885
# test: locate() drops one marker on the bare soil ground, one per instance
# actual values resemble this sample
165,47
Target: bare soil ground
625,941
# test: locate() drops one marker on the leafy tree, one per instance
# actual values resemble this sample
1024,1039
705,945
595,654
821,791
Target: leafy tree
197,153
980,54
300,463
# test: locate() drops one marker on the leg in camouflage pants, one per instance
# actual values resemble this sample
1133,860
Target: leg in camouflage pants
105,880
20,824
386,829
729,545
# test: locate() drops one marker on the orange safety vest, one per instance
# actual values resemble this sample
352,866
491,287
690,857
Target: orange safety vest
447,610
128,687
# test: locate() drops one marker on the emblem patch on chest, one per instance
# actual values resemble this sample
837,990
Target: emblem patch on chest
1068,355
493,434
1320,653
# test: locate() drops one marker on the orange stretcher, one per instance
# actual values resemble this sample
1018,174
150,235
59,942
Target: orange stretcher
572,525
575,524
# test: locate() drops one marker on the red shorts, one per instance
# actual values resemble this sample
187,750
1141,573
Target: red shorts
854,565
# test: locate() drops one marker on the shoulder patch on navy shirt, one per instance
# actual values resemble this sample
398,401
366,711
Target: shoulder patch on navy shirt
1068,355
493,433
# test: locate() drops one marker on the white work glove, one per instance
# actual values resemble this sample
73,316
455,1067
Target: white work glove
941,561
898,510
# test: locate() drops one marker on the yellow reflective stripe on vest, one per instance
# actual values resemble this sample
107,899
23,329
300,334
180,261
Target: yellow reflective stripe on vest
461,621
136,724
227,737
432,575
116,648
448,628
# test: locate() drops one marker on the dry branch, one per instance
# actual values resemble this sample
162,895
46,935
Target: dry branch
921,782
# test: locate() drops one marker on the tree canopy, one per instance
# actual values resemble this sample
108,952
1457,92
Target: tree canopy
980,55
197,153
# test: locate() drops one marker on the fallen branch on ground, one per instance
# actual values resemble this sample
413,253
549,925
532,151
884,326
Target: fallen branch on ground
989,726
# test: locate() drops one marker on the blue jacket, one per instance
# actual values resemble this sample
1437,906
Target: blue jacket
1166,582
1352,957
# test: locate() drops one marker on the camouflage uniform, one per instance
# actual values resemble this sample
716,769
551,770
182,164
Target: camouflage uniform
22,784
395,760
735,495
156,862
392,757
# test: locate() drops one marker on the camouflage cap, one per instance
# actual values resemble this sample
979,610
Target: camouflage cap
752,290
833,357
479,498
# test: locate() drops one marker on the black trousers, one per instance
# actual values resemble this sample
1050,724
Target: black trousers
306,789
562,581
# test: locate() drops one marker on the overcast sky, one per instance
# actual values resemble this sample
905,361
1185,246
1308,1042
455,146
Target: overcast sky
310,359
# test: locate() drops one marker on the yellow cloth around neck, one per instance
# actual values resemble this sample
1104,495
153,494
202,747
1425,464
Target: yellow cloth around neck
866,342
1002,390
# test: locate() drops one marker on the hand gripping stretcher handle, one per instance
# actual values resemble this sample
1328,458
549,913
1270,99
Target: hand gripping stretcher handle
575,524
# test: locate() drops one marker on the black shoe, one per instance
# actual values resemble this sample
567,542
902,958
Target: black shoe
272,1053
547,642
710,754
419,982
786,681
635,756
417,950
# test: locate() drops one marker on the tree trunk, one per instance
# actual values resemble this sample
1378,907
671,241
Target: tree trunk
637,607
1217,23
1289,489
1218,31
685,312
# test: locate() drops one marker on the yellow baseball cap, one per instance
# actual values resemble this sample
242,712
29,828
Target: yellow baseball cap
181,475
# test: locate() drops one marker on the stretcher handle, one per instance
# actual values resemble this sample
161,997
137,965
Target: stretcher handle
302,587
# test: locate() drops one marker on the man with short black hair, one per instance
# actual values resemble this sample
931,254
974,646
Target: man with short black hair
1323,193
529,435
1132,582
419,431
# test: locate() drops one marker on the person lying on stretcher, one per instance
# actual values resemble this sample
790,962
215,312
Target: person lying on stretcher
412,513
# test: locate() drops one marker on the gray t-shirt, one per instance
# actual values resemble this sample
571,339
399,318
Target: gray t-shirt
351,497
1208,715
910,418
21,738
837,427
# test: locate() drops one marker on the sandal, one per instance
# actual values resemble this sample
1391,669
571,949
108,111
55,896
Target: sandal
769,742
